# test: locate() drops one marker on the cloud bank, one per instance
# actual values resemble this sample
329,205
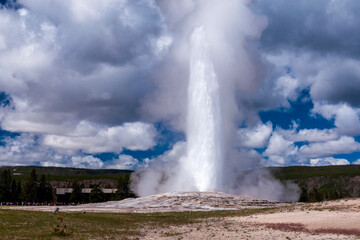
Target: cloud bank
76,73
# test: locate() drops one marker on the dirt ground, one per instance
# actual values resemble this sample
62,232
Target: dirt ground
230,230
325,220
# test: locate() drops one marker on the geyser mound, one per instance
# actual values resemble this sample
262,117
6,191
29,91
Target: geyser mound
181,201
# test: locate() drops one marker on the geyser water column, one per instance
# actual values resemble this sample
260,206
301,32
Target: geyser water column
204,160
222,64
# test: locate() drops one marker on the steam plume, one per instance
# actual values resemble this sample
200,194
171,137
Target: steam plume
212,48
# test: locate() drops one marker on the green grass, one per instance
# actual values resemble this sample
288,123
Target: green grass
15,224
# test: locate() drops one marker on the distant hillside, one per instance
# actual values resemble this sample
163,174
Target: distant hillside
303,172
65,174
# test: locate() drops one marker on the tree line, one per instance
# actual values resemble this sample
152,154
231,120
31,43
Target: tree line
331,190
39,190
33,190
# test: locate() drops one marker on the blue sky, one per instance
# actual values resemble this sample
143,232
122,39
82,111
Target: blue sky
95,85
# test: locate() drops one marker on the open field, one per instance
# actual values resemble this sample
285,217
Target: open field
15,224
324,220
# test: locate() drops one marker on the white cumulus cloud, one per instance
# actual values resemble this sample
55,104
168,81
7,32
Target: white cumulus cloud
356,162
123,162
328,161
133,136
256,137
321,149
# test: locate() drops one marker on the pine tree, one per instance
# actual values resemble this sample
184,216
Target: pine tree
96,195
123,188
44,191
33,175
76,195
19,191
14,197
5,186
31,188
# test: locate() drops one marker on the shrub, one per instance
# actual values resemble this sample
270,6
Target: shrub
60,227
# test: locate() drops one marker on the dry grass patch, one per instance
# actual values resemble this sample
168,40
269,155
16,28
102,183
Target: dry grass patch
297,227
287,227
339,231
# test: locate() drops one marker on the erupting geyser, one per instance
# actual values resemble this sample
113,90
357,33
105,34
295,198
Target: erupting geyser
204,158
213,64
